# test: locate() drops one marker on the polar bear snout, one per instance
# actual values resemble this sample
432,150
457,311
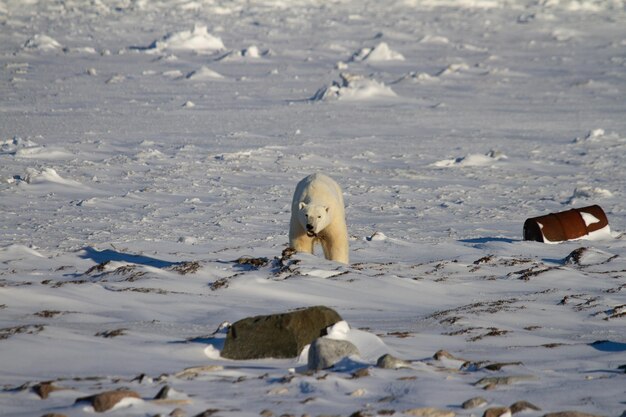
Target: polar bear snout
310,230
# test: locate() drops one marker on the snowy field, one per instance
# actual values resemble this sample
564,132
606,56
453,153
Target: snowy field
146,146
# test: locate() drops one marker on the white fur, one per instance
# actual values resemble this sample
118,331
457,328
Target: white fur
318,216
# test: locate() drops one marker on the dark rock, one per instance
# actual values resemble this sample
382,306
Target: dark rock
361,373
163,394
474,403
499,366
43,389
107,400
208,413
325,352
361,413
522,406
429,412
497,412
178,412
277,335
54,415
444,354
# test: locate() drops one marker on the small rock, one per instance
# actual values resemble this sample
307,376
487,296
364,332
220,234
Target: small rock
54,415
361,373
163,394
43,389
278,391
523,405
499,366
195,371
108,399
358,393
325,352
569,414
208,413
361,413
429,412
178,412
474,403
388,361
444,354
267,413
497,412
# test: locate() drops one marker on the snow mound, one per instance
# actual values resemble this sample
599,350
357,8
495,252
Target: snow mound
11,146
417,77
435,40
369,345
198,40
588,256
597,135
587,192
379,53
46,176
149,154
354,87
463,4
251,52
454,69
42,43
203,74
472,160
18,252
42,152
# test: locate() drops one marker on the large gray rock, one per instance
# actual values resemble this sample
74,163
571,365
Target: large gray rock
325,352
277,335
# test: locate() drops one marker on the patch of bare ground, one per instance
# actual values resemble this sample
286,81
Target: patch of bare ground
144,290
477,308
528,273
491,333
128,272
48,314
24,329
184,268
614,313
108,334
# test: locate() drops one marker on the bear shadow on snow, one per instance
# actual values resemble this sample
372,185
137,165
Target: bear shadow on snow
108,255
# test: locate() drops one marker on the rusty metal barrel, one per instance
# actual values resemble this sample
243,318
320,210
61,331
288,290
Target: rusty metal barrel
565,225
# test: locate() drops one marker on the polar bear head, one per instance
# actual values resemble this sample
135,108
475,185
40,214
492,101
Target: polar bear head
313,217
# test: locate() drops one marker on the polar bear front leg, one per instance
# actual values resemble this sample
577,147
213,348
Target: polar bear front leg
298,239
301,243
336,249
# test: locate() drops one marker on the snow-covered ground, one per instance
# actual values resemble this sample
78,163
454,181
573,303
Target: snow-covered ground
145,146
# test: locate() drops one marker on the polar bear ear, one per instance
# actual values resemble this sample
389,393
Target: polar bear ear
302,205
327,209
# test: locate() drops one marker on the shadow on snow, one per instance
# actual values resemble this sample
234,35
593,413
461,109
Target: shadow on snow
111,255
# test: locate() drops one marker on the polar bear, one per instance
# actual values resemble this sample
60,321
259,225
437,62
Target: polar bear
318,216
